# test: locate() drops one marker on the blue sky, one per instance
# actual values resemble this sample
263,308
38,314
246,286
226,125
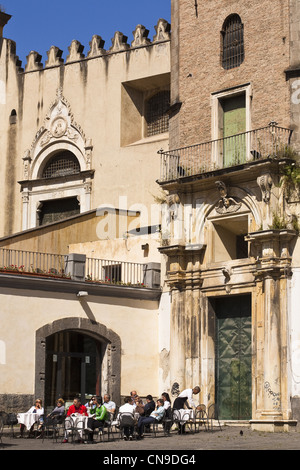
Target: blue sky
39,24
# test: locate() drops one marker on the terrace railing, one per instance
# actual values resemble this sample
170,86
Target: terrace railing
32,262
115,272
265,142
79,267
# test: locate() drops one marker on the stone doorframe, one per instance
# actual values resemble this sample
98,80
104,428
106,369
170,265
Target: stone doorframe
98,331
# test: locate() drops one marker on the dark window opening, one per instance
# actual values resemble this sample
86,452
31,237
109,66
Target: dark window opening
58,209
241,247
157,117
62,164
13,117
112,273
233,42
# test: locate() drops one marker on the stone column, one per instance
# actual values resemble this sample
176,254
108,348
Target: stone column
271,408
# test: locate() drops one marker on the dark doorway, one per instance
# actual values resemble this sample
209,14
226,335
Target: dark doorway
233,357
73,367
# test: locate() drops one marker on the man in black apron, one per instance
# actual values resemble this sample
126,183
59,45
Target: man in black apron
184,397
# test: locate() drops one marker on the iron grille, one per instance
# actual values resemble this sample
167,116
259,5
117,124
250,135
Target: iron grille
65,163
233,42
156,114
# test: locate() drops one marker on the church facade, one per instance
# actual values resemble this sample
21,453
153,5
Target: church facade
160,180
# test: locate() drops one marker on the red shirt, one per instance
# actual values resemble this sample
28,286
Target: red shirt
81,410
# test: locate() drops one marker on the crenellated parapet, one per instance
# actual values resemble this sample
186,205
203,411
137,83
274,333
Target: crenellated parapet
119,43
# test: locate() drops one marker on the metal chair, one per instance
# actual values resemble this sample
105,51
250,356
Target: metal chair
11,421
213,415
127,420
106,430
200,417
51,427
73,428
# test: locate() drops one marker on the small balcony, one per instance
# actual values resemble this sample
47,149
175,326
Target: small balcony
271,141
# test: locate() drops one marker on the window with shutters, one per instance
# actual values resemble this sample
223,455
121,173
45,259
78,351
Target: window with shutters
232,42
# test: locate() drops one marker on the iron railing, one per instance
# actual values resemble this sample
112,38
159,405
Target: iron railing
115,272
21,261
265,142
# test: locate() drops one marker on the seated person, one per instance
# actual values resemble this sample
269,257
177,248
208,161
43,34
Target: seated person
150,405
156,415
139,406
76,409
38,409
58,411
100,415
127,408
109,404
167,401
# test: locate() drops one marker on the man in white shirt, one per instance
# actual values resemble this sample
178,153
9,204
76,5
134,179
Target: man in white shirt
183,397
127,421
109,405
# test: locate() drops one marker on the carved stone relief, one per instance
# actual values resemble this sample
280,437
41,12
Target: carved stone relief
226,204
265,183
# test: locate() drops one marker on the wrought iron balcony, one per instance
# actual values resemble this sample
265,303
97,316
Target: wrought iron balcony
271,141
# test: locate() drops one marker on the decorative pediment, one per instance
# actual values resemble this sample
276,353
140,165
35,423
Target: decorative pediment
59,123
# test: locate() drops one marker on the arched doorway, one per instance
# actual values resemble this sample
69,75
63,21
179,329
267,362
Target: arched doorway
73,366
76,356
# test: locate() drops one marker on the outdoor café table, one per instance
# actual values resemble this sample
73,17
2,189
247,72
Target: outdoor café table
184,415
28,419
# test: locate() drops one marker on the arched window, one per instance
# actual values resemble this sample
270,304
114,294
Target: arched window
157,117
62,164
233,42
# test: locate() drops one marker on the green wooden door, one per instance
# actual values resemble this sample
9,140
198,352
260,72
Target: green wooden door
234,122
233,357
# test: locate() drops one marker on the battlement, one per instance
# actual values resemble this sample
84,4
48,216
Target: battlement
119,44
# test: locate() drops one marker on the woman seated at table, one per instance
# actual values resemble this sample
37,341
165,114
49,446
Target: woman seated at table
156,415
58,411
100,415
167,401
39,410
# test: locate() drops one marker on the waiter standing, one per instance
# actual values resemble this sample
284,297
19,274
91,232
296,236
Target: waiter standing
183,397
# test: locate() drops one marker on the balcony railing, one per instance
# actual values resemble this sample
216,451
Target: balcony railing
265,142
20,261
54,265
115,272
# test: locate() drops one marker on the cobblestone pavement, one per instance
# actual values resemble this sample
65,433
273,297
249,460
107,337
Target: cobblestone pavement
230,438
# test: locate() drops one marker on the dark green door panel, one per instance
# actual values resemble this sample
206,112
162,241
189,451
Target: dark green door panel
233,357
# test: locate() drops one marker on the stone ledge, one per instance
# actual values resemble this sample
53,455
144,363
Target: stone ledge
273,425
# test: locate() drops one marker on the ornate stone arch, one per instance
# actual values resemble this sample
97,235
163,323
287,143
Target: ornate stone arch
98,331
243,201
59,133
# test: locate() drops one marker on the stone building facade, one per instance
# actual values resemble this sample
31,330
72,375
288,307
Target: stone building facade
79,265
231,244
220,259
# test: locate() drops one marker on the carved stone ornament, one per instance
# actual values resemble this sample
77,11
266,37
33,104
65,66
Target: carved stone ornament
226,204
59,123
265,183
